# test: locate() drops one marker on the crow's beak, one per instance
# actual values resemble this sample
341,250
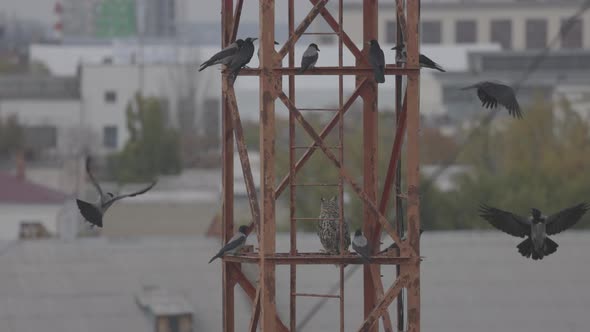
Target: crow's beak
276,42
253,39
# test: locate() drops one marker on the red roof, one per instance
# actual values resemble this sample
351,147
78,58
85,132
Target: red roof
13,190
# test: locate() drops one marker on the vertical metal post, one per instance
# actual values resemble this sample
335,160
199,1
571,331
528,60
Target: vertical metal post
341,158
413,125
268,88
399,218
370,113
292,192
227,175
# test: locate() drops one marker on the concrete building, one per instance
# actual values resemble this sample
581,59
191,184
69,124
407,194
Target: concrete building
27,207
515,24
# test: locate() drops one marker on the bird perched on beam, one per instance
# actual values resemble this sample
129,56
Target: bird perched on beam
361,245
493,93
241,58
310,57
423,60
377,61
536,228
93,213
224,56
234,244
329,227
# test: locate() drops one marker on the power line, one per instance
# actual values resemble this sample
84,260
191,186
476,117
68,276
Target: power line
533,67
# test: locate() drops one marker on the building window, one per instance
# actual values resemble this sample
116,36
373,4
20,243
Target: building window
109,137
431,32
110,96
40,137
536,33
571,33
501,33
391,32
465,32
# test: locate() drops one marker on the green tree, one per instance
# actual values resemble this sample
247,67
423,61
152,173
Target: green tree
152,148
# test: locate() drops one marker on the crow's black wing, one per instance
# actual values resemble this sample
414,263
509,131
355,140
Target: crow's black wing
504,95
139,192
505,221
308,60
92,179
90,212
233,243
226,52
565,218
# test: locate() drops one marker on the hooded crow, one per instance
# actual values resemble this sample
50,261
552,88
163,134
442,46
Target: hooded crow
242,58
377,61
492,93
423,60
93,213
310,57
224,56
361,246
234,244
536,228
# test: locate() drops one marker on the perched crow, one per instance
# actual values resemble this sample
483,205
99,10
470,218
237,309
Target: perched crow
234,244
361,246
423,60
310,57
536,228
224,56
377,61
93,213
241,58
491,94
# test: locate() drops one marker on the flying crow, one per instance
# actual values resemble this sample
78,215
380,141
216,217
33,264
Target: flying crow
491,94
93,213
536,228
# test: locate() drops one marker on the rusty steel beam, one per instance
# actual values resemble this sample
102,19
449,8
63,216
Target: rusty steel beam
413,166
314,259
324,133
294,37
394,158
383,303
345,38
250,291
227,212
401,18
345,174
376,278
269,84
292,181
255,312
236,22
245,160
345,70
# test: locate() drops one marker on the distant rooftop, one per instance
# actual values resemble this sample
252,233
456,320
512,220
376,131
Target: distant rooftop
14,190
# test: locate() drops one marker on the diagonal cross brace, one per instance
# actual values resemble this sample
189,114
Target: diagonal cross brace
302,27
245,161
255,312
251,292
325,132
236,24
384,302
360,192
387,325
345,38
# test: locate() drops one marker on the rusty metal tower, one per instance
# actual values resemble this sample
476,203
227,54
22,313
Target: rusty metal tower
271,73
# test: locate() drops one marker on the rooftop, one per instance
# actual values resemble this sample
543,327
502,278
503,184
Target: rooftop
16,191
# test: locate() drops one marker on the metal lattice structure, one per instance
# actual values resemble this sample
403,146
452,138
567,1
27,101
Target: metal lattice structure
271,73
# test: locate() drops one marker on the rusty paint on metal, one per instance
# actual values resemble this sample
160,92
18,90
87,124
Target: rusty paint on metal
323,134
345,174
255,312
245,160
383,303
345,38
315,258
227,212
294,36
236,21
362,70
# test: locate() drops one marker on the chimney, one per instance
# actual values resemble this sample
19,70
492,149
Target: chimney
20,165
